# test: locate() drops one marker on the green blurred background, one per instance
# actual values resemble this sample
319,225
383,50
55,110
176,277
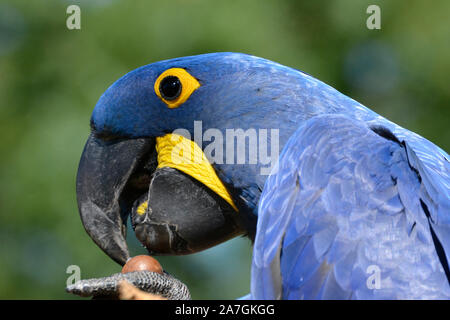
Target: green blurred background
51,78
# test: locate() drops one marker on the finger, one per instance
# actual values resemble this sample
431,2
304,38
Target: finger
129,292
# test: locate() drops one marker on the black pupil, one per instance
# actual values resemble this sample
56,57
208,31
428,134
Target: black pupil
170,87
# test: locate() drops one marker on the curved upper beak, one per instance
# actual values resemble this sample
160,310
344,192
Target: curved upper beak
104,187
184,214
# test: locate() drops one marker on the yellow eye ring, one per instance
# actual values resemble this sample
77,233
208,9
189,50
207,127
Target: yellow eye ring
178,85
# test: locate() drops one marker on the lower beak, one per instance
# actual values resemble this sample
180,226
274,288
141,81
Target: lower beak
180,215
105,187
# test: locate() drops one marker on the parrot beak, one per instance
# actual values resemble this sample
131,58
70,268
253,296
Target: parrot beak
107,179
176,207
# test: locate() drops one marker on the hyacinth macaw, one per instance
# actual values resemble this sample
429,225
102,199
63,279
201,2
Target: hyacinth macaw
356,207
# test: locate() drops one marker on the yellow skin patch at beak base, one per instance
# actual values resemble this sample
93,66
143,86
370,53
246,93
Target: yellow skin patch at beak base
177,152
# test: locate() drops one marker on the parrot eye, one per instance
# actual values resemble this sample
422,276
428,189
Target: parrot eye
174,86
170,88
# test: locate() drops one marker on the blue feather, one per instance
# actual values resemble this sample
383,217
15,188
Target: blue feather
359,212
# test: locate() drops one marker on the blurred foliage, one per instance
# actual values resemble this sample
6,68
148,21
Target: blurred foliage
51,77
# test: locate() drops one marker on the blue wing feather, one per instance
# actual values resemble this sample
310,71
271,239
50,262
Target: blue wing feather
344,201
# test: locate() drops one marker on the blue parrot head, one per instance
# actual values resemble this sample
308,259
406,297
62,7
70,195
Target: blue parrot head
187,209
161,97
